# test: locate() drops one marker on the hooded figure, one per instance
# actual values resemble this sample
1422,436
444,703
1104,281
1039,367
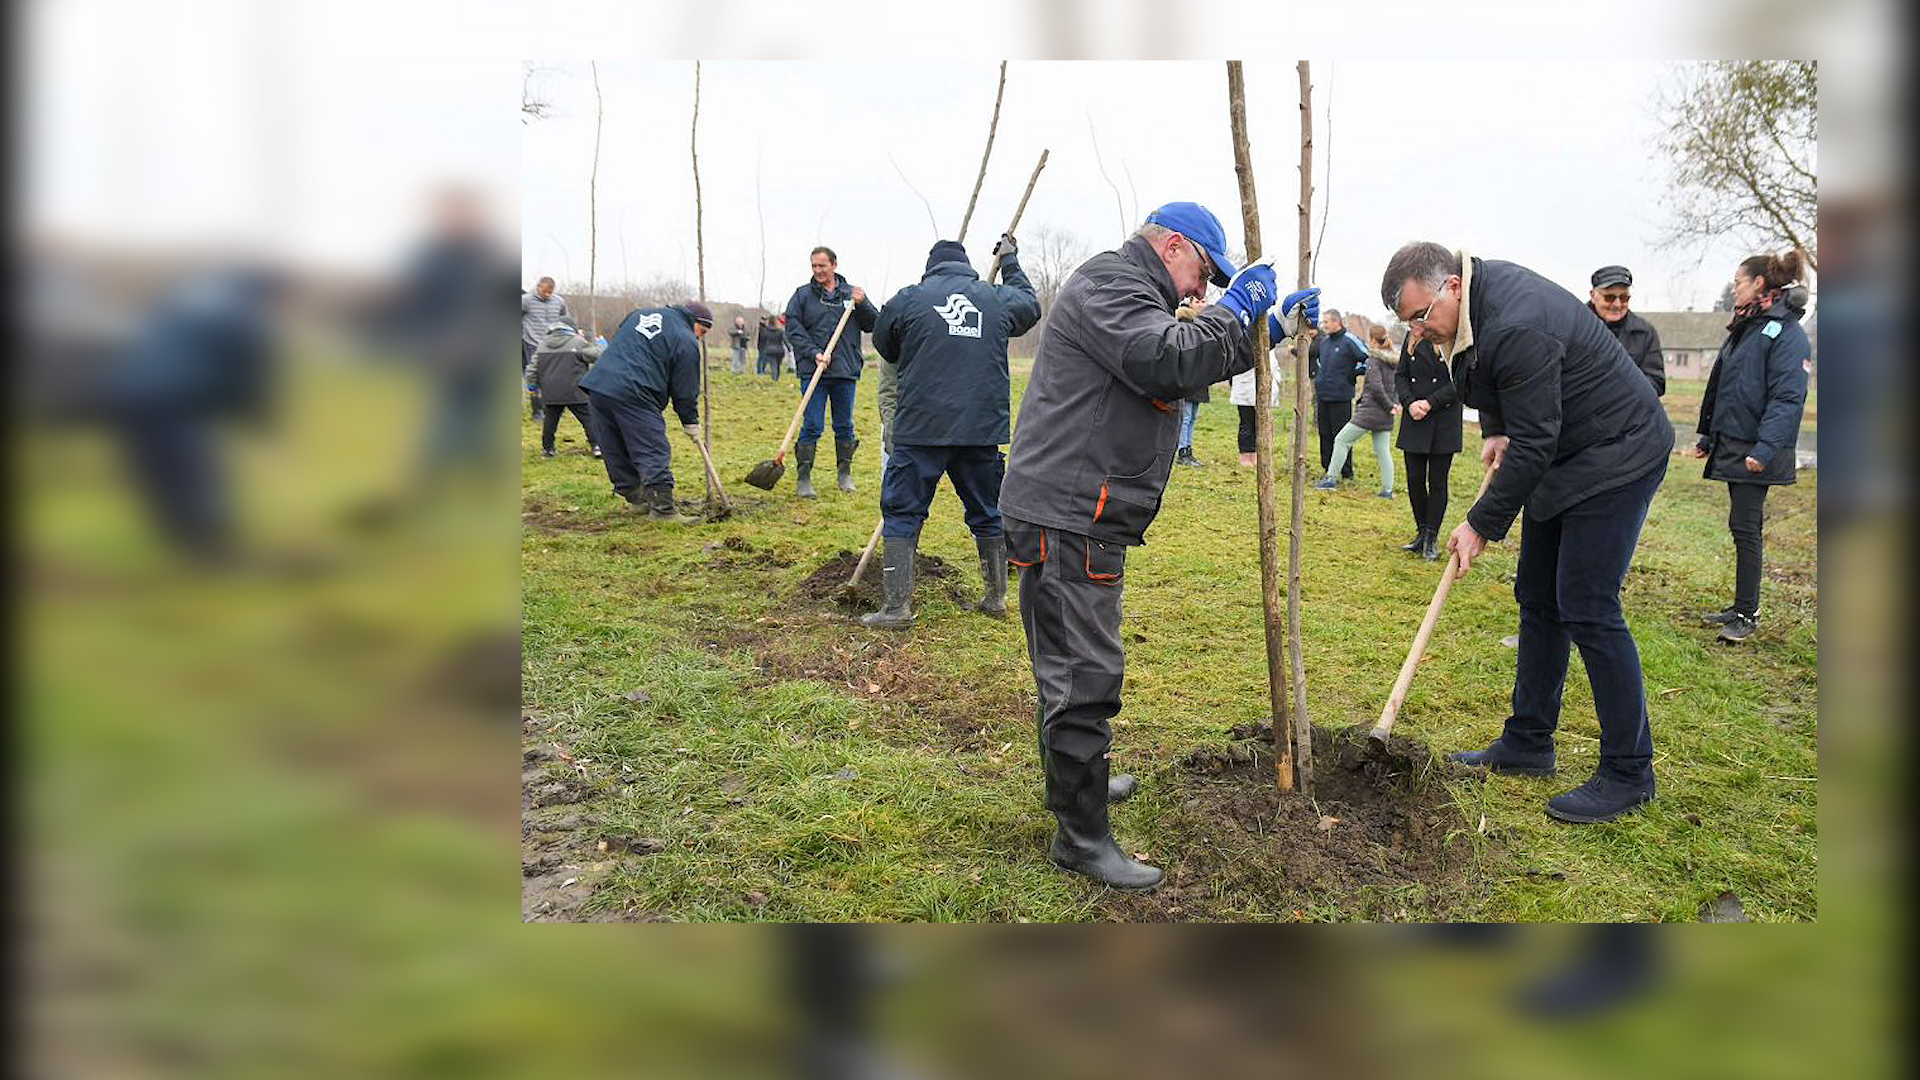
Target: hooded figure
946,339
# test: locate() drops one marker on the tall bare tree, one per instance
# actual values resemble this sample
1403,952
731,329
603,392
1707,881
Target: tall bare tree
700,257
1049,257
593,206
1119,207
1742,140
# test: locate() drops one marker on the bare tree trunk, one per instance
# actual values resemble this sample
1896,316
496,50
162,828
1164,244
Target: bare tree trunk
1302,721
593,208
901,173
985,154
1263,390
759,208
700,255
1118,206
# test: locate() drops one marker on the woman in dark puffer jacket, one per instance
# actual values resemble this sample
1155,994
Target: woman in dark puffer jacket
1750,415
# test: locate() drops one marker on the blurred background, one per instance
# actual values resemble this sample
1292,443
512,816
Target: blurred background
268,600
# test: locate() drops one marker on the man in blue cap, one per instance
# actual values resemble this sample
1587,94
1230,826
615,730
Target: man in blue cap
1090,458
654,360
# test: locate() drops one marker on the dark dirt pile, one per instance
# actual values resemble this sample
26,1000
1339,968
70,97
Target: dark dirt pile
932,576
1378,834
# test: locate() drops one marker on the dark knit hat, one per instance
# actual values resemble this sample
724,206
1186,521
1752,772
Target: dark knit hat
701,313
945,251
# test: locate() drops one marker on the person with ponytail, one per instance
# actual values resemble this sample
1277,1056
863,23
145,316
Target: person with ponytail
1750,416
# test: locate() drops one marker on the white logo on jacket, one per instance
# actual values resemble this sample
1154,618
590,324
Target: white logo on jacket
648,325
963,319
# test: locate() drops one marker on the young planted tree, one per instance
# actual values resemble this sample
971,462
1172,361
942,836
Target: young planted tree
1302,722
981,177
1285,760
700,260
593,207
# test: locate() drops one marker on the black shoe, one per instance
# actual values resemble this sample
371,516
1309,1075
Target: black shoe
1431,549
1601,798
1414,545
1719,618
1739,628
1498,759
546,451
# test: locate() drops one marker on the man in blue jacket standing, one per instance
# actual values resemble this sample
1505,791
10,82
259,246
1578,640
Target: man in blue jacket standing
1343,358
1580,444
654,359
947,339
812,314
1089,463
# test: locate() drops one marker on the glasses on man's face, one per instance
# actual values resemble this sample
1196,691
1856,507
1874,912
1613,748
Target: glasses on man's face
1614,298
1421,318
1206,266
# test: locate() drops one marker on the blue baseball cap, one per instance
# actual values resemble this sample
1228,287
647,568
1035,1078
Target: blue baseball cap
1197,223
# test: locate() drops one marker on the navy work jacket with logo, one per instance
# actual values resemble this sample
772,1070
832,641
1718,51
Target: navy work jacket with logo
947,337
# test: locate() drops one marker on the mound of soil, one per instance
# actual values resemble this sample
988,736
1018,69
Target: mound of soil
1372,836
932,576
738,553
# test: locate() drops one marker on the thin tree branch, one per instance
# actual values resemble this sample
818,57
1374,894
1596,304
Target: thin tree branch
984,155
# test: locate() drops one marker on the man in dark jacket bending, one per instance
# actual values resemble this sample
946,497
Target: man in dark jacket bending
653,359
1089,461
947,338
1581,445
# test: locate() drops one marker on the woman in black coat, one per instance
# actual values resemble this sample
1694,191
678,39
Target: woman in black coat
1750,416
1429,437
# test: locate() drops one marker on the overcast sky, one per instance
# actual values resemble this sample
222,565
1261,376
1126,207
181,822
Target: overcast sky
1551,165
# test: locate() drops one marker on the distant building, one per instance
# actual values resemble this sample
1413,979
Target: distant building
1689,340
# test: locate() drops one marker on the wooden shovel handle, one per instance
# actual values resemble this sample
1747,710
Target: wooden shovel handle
994,270
1398,697
713,475
867,555
793,429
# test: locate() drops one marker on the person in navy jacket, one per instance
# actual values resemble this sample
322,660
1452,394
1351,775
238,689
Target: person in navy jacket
811,315
1750,416
653,360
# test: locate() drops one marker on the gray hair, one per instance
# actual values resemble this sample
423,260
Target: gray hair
1334,314
1152,233
1421,260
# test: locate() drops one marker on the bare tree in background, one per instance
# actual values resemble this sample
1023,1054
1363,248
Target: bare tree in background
1742,139
532,105
1050,255
593,207
1118,206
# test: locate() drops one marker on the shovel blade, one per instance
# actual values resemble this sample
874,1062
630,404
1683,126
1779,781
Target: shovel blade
766,474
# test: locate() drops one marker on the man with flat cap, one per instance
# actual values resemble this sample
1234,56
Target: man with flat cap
1612,288
946,338
653,360
1090,458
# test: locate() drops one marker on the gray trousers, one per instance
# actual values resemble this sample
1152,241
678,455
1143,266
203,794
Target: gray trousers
1070,587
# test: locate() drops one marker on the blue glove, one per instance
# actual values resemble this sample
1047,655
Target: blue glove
1307,301
1251,292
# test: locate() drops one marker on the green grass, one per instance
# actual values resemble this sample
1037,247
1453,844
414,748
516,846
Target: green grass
735,767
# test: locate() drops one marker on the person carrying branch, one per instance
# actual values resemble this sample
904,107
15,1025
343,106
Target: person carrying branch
1090,459
653,360
946,338
1580,444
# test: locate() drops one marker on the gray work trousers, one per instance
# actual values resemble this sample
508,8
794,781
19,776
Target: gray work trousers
1070,587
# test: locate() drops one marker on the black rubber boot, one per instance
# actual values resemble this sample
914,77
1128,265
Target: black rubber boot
1419,541
803,469
1083,843
660,507
993,575
1430,548
896,584
843,462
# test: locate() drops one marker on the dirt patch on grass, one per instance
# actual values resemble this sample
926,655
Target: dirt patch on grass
738,553
932,576
548,517
1379,837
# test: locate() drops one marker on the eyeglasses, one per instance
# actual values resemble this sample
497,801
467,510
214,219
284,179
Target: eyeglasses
1422,317
1206,265
1615,297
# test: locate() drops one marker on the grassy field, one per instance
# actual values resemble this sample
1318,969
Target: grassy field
709,736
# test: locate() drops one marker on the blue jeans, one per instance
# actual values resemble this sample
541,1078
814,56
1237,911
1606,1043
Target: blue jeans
913,473
1189,411
814,422
632,438
1568,586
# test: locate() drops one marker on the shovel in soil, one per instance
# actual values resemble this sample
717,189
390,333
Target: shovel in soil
725,508
768,472
1377,739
